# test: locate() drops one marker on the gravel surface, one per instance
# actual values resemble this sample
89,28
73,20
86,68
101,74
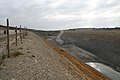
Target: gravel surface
3,41
34,60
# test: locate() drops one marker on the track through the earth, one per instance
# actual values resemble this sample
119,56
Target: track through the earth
58,37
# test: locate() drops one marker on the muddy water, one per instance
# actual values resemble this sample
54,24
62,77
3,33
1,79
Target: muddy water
114,75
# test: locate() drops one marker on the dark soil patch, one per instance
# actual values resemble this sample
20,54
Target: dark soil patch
20,48
29,52
62,50
32,55
15,54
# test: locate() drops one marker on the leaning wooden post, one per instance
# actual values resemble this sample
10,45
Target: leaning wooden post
26,31
20,34
8,37
16,35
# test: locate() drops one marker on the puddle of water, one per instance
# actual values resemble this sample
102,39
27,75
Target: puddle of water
114,75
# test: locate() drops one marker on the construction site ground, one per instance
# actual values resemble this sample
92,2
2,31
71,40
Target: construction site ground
36,59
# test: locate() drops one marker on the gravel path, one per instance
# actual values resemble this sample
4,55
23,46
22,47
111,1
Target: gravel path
34,60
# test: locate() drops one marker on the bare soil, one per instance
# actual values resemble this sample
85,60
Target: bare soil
105,44
35,60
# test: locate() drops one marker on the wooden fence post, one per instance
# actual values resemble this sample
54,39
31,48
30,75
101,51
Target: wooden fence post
16,35
26,31
8,37
20,34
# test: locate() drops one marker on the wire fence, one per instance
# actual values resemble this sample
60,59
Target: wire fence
9,36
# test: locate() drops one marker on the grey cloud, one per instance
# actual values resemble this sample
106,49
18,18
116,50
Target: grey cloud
32,13
104,5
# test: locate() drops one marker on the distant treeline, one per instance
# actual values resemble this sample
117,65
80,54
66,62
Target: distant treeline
116,28
6,26
45,33
10,27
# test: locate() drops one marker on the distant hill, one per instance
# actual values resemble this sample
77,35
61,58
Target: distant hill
4,27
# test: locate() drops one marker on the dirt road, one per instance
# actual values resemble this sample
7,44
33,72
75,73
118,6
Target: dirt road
58,39
61,33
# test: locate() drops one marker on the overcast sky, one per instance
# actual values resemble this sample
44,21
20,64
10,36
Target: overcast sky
60,14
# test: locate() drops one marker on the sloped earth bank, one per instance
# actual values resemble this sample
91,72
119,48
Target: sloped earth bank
106,43
35,59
